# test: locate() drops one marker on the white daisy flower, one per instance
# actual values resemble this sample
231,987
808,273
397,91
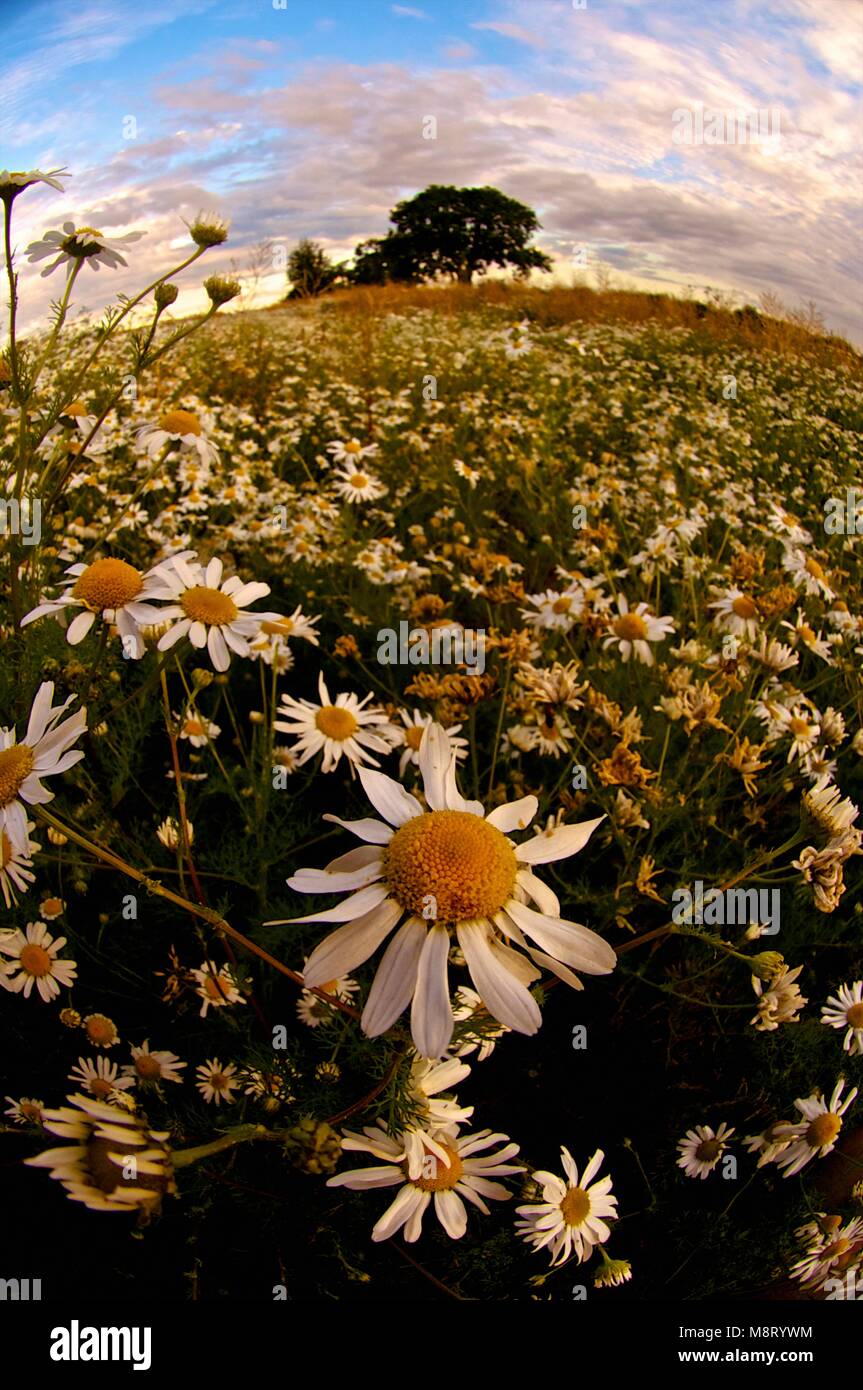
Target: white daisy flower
448,871
181,427
845,1010
802,728
312,1010
451,1171
216,987
295,625
829,1243
11,184
807,572
45,751
334,728
701,1149
409,738
112,590
150,1066
772,1141
216,1083
195,729
170,833
486,1039
16,865
555,611
806,636
816,1134
80,246
572,1218
358,484
350,451
25,1110
632,631
33,956
737,613
99,1077
208,609
470,475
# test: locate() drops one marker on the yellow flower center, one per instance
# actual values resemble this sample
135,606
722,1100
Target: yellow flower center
78,243
100,1088
806,633
799,727
208,606
414,736
358,480
708,1150
108,584
444,1178
575,1206
452,862
562,604
35,960
335,722
193,727
16,764
147,1067
855,1016
180,422
631,627
216,987
100,1030
74,409
52,906
823,1130
353,447
743,607
812,567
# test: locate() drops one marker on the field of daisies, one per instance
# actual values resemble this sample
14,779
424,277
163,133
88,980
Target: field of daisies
431,743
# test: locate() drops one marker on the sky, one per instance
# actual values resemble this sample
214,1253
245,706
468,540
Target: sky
311,118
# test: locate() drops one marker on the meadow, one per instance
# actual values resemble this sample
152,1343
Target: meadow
648,513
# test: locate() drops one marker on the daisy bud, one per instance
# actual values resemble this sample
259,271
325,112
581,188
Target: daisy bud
70,1018
766,965
208,230
256,717
164,295
201,677
613,1272
313,1146
57,837
221,289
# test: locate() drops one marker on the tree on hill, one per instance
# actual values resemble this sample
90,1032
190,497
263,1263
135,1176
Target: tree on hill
452,231
310,270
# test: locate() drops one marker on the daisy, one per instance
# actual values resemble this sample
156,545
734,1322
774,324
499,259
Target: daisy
312,1010
816,1134
409,738
34,957
216,1083
482,1042
448,870
779,1002
571,1218
802,728
633,631
296,625
736,613
170,834
344,727
350,451
845,1010
150,1066
181,427
772,1141
16,865
555,611
79,246
470,475
101,1031
433,1111
216,987
701,1149
25,1111
807,572
207,609
45,751
830,1245
99,1077
115,1162
109,589
11,184
196,729
51,908
806,635
358,485
457,1175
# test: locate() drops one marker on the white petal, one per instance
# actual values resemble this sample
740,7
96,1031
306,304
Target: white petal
568,942
431,1013
560,844
347,947
435,756
545,899
395,980
347,911
450,1212
369,829
322,881
389,798
505,998
79,627
515,815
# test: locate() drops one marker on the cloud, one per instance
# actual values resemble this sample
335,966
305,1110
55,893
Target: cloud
512,31
408,12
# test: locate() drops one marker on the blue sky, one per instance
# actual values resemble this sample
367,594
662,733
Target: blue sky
307,120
